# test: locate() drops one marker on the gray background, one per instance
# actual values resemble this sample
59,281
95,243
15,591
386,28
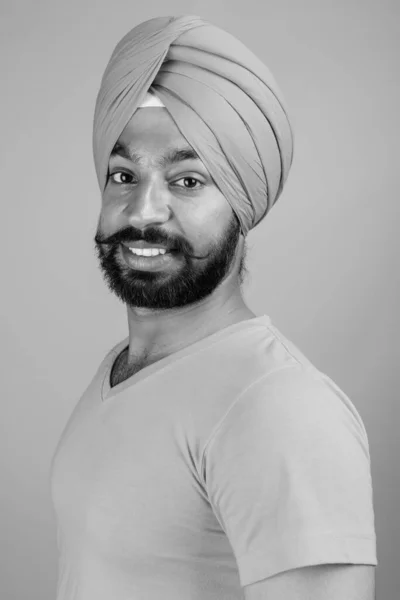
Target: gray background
324,265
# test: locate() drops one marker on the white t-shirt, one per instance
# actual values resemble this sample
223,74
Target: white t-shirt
222,464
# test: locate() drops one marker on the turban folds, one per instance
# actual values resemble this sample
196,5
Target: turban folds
223,99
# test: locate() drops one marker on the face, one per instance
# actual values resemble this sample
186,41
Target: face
159,192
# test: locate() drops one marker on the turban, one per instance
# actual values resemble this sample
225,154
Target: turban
223,99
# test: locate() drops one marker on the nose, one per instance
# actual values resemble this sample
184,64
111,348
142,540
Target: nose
148,204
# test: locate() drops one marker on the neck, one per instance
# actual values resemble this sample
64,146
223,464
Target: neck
156,334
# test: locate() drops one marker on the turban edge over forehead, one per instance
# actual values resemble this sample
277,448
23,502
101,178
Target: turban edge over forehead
223,99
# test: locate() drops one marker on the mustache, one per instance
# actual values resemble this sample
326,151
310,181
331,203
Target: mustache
152,237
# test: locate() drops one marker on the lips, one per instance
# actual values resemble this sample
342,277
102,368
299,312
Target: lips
147,263
144,245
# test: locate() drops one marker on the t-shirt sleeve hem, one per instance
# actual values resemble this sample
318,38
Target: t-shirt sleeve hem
303,551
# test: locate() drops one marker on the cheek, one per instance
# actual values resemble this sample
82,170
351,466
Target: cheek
203,228
207,216
111,208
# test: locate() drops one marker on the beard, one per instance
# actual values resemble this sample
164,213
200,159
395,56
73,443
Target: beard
191,279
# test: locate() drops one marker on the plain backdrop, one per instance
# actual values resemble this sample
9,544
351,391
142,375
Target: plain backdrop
324,264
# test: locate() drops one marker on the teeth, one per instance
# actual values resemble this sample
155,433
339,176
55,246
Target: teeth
147,251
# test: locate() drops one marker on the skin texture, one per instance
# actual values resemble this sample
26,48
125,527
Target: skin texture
199,293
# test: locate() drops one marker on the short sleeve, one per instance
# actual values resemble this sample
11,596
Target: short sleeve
287,473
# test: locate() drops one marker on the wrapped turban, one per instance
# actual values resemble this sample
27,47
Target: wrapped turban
223,99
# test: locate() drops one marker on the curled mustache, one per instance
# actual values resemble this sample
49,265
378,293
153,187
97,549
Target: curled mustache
117,239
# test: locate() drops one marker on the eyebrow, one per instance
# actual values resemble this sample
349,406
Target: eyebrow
173,156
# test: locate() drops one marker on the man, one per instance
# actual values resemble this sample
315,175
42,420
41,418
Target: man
208,458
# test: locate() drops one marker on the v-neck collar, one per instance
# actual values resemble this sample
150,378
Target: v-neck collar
108,392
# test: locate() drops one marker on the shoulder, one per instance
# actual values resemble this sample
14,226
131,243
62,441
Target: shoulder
290,399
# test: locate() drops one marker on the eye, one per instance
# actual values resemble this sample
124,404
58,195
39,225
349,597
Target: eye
120,177
191,180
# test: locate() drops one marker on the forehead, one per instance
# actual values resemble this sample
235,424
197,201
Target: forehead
151,130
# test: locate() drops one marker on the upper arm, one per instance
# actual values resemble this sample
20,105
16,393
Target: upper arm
320,582
288,477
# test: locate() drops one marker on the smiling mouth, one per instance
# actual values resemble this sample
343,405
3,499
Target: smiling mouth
148,252
144,263
147,246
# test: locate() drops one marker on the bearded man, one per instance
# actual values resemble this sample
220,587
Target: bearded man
208,459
